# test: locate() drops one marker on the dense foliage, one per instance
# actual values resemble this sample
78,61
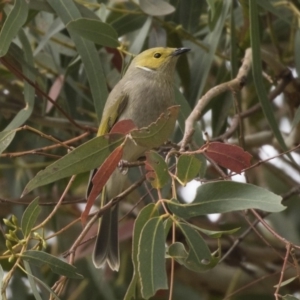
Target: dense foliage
234,150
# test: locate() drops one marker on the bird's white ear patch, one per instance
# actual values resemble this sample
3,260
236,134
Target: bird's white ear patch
146,69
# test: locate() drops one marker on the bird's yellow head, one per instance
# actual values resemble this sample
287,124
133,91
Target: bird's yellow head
158,59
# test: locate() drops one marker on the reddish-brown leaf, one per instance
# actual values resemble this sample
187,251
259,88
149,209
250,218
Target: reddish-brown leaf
123,127
100,179
228,156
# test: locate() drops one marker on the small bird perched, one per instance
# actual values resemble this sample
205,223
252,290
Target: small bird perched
142,95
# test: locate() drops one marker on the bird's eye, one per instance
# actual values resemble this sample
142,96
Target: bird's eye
157,55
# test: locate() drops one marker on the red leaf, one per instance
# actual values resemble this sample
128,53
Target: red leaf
228,156
123,127
100,178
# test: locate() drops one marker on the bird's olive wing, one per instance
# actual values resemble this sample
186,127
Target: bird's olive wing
112,113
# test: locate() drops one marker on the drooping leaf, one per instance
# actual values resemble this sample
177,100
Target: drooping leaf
12,25
178,252
228,156
151,258
58,266
30,216
156,7
88,156
95,31
225,196
5,139
100,178
257,75
158,132
286,282
289,297
148,212
31,280
199,258
187,168
68,11
157,170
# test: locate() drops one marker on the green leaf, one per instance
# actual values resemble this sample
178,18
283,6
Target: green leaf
297,59
58,266
157,170
86,157
29,91
188,167
5,139
95,31
158,132
189,11
128,23
199,258
1,280
225,196
217,234
68,11
147,213
156,7
141,36
30,216
289,297
296,119
32,281
286,282
178,252
203,59
151,258
12,25
275,10
258,78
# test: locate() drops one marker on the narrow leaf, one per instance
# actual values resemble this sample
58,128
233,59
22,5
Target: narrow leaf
257,74
95,31
12,25
228,156
5,139
148,212
29,91
68,11
32,281
88,156
225,196
31,278
156,7
199,258
58,266
157,170
158,132
187,168
151,258
30,216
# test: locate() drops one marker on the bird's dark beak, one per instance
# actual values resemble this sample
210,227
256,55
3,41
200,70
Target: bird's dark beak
180,51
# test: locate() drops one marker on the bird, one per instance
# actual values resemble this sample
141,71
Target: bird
142,95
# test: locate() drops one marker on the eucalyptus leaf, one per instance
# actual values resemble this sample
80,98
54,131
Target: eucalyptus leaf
95,31
151,258
30,216
156,7
12,25
58,266
84,158
225,196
